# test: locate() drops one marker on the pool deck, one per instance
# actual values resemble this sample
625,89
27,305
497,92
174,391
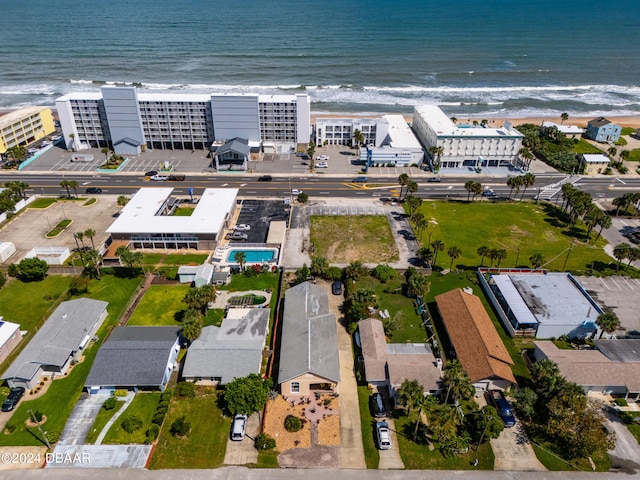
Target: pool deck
222,253
223,296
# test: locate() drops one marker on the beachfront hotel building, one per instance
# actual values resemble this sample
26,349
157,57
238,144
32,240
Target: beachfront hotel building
465,145
25,126
388,140
129,122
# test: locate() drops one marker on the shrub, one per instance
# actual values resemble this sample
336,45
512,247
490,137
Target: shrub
78,285
621,402
158,418
152,433
32,269
38,416
53,435
166,396
292,423
186,389
3,279
109,403
131,424
383,273
163,404
120,393
161,411
265,442
10,428
13,271
180,427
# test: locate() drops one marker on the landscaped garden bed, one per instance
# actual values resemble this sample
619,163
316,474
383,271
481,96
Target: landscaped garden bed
59,228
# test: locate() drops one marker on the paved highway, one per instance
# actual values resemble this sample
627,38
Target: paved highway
318,186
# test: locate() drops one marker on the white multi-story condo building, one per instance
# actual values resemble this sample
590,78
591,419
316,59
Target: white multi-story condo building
339,131
465,145
130,122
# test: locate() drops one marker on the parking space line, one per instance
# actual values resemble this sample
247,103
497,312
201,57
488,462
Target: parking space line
603,283
628,284
615,283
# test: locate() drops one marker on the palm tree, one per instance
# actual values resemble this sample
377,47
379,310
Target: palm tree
620,252
632,255
444,421
528,180
240,257
512,182
412,187
410,393
612,151
492,254
501,254
468,186
129,258
476,189
74,184
417,285
453,252
537,260
66,184
527,155
72,136
80,236
624,154
105,150
607,322
359,138
403,180
483,251
421,224
456,381
92,260
90,233
438,246
603,222
425,254
563,117
191,325
436,152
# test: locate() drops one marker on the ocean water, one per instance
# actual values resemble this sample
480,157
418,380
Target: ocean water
472,57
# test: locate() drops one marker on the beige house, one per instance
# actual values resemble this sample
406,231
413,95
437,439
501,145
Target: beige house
594,163
10,336
309,343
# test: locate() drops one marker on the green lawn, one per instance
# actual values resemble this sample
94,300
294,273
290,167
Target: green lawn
42,202
417,455
101,420
554,463
89,202
152,258
634,155
183,212
144,407
343,239
260,282
160,305
214,317
206,443
628,131
582,146
63,393
371,454
185,259
522,229
390,297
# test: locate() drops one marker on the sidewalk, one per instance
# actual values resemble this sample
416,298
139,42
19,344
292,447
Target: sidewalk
127,401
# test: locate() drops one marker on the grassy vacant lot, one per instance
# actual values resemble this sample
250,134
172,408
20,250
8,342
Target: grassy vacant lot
101,420
371,453
160,305
206,443
554,463
417,455
42,202
516,227
260,282
345,239
63,393
634,155
144,407
582,146
390,297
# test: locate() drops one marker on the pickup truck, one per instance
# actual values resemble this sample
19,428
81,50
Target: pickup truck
503,407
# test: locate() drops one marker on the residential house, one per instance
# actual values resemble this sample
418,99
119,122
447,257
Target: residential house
570,131
602,130
58,343
309,343
233,350
10,336
593,163
199,276
475,340
135,358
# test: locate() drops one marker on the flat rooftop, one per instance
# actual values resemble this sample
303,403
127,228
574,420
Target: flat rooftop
400,133
552,298
14,116
141,214
444,127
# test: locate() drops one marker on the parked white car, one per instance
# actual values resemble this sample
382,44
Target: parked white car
238,427
322,165
243,227
384,436
323,157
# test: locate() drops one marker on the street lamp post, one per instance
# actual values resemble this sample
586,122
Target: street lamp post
517,258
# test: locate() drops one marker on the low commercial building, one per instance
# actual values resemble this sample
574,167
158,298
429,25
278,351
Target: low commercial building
234,154
135,358
390,364
309,343
147,220
593,163
475,340
340,131
465,145
602,130
58,343
25,126
399,148
233,350
10,336
129,122
542,304
613,367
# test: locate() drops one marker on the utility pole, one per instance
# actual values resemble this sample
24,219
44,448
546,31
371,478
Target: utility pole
489,420
44,435
567,257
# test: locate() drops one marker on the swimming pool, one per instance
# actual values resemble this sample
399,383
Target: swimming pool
252,256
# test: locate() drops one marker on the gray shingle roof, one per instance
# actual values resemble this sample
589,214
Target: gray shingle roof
599,122
239,145
233,350
309,342
58,338
133,357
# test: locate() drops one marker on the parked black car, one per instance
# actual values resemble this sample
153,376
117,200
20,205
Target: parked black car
12,400
503,407
376,403
336,287
93,191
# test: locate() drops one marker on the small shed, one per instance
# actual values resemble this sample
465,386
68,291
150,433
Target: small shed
127,146
6,250
199,276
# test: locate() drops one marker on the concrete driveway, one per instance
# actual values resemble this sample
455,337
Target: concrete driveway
626,454
79,423
513,451
244,452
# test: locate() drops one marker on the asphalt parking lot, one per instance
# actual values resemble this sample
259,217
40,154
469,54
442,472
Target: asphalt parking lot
28,229
258,214
620,294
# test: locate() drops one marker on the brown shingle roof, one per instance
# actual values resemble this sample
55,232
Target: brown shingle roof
473,336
